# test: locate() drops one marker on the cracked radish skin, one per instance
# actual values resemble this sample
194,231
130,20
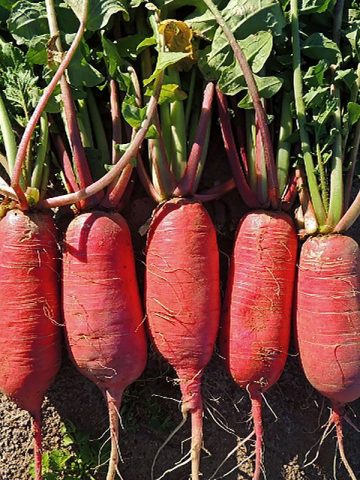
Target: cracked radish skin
183,298
328,316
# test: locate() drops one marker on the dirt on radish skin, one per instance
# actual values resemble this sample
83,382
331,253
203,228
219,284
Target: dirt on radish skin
30,345
257,312
102,309
183,299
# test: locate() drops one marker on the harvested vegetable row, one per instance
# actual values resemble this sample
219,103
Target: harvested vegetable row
255,333
328,290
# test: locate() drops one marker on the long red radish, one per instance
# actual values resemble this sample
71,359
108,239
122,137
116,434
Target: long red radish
30,351
102,309
257,311
328,320
183,300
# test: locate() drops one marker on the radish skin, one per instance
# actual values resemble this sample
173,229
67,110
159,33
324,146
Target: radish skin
328,321
255,335
30,341
183,300
102,309
328,316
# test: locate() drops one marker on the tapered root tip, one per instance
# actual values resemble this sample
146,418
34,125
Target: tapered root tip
336,418
196,442
113,408
256,411
37,446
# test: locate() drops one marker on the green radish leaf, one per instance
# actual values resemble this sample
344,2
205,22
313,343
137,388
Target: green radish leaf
353,32
81,72
133,114
128,46
169,93
100,11
267,86
165,60
315,76
27,21
244,18
147,42
348,77
122,147
325,109
222,66
203,24
316,97
354,112
254,25
37,50
152,133
319,47
7,4
315,6
18,82
112,57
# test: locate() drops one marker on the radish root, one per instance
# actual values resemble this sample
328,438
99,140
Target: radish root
256,410
113,406
37,445
336,419
196,441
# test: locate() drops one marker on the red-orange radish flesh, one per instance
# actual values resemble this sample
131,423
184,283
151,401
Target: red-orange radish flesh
183,299
257,312
328,316
102,309
30,345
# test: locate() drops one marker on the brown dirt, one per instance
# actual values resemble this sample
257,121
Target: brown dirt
293,418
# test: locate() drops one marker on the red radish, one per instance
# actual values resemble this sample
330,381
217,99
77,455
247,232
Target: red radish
328,290
328,320
102,309
256,330
183,300
257,311
30,352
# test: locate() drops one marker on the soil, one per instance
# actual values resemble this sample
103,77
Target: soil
294,414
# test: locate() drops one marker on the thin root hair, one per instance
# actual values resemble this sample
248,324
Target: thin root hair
351,423
218,421
101,436
183,461
231,453
174,432
329,428
237,466
267,403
